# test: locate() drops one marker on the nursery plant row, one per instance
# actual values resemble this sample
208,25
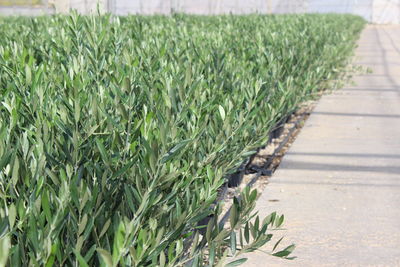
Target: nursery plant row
116,133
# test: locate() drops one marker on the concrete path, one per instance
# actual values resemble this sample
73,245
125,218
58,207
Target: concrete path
339,185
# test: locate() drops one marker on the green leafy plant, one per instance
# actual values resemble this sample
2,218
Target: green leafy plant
117,133
20,2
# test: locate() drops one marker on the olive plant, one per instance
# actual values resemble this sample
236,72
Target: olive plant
117,133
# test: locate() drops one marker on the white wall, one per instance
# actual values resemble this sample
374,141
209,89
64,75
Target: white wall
386,12
140,7
82,6
376,11
362,8
61,6
25,11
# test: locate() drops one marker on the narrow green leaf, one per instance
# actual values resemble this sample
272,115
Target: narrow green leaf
4,250
285,252
174,151
105,228
46,205
102,150
236,262
81,260
221,112
277,243
211,257
28,75
162,259
233,242
105,256
279,221
12,215
247,233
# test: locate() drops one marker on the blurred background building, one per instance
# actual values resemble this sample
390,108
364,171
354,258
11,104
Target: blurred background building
375,11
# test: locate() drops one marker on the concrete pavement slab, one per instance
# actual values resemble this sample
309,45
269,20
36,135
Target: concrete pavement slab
339,184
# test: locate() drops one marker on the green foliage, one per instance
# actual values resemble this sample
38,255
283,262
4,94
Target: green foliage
20,2
116,133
